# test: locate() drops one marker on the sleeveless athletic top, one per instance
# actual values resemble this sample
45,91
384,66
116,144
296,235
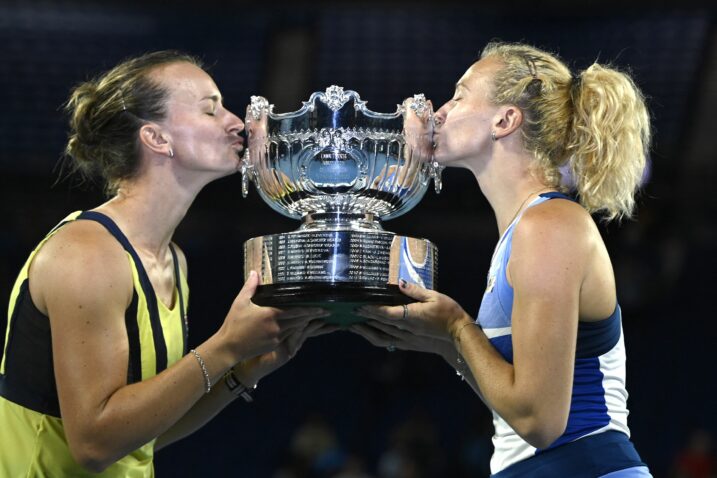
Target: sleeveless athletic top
31,429
599,398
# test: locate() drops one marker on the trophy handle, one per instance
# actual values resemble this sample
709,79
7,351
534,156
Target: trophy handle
434,171
247,173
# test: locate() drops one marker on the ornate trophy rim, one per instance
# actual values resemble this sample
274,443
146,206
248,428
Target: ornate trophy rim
335,98
372,178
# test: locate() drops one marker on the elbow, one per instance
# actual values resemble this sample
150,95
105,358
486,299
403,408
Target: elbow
90,457
541,432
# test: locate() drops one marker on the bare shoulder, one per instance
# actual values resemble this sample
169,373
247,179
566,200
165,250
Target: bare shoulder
81,260
557,238
557,221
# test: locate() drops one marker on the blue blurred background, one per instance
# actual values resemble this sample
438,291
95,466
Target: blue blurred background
342,408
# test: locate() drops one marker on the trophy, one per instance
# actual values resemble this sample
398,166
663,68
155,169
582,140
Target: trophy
342,169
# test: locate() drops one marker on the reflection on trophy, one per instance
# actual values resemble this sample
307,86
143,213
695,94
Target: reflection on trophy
340,168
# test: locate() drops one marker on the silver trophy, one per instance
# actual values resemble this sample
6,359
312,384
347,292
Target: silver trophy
342,169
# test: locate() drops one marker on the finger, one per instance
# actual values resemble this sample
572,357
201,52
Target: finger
302,312
285,333
325,329
383,313
388,329
414,291
299,325
297,339
374,336
249,288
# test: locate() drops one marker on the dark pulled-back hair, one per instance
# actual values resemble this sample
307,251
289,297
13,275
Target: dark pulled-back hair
107,112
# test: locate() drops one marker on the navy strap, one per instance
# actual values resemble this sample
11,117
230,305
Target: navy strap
557,195
182,312
160,347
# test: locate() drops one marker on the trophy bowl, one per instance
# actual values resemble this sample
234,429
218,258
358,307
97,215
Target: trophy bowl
341,169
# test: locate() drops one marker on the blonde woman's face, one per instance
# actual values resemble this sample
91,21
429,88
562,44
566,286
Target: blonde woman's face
204,135
464,123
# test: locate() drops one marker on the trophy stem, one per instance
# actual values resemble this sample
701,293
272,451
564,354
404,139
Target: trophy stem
340,221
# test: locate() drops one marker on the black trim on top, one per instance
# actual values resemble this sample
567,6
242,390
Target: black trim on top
160,346
29,378
182,312
134,364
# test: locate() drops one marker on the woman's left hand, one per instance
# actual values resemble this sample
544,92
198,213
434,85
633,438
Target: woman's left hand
434,315
249,372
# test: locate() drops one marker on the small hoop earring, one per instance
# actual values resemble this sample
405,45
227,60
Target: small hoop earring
171,153
492,136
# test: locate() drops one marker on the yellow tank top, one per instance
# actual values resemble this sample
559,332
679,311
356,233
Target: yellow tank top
32,438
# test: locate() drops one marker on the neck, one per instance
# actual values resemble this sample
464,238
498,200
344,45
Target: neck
508,185
149,209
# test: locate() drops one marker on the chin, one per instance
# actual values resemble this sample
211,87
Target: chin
441,157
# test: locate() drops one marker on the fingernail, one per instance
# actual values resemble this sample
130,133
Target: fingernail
402,283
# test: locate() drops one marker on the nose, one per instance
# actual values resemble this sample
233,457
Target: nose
440,115
234,124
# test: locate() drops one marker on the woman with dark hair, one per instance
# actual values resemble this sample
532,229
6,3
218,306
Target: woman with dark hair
95,375
547,355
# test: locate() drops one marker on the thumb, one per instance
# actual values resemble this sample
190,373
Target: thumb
249,288
414,290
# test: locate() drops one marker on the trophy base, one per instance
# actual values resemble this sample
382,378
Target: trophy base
338,270
341,299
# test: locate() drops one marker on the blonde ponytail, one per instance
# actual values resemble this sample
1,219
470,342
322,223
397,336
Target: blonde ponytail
608,143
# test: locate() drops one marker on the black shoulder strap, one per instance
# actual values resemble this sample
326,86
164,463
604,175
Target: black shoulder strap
160,347
182,312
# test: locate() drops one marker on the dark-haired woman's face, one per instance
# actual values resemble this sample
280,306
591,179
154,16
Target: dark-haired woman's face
464,123
204,135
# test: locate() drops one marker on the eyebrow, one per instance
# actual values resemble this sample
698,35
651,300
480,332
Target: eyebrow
215,98
459,85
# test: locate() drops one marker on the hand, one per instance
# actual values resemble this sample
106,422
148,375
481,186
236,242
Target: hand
384,335
251,371
250,330
435,315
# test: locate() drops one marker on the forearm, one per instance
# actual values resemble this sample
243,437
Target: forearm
493,378
200,414
451,356
247,373
136,414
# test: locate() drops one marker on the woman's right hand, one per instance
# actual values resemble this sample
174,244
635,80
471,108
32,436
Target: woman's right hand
389,336
250,330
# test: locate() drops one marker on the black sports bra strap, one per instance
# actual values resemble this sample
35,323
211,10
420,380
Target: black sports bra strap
160,346
182,312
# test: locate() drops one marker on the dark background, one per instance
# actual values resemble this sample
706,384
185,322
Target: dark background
342,404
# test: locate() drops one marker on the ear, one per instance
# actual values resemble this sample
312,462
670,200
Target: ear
152,137
508,119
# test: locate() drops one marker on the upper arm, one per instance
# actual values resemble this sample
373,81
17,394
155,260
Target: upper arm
83,280
550,250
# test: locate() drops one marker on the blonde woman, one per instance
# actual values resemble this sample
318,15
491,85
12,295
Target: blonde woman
95,374
546,352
